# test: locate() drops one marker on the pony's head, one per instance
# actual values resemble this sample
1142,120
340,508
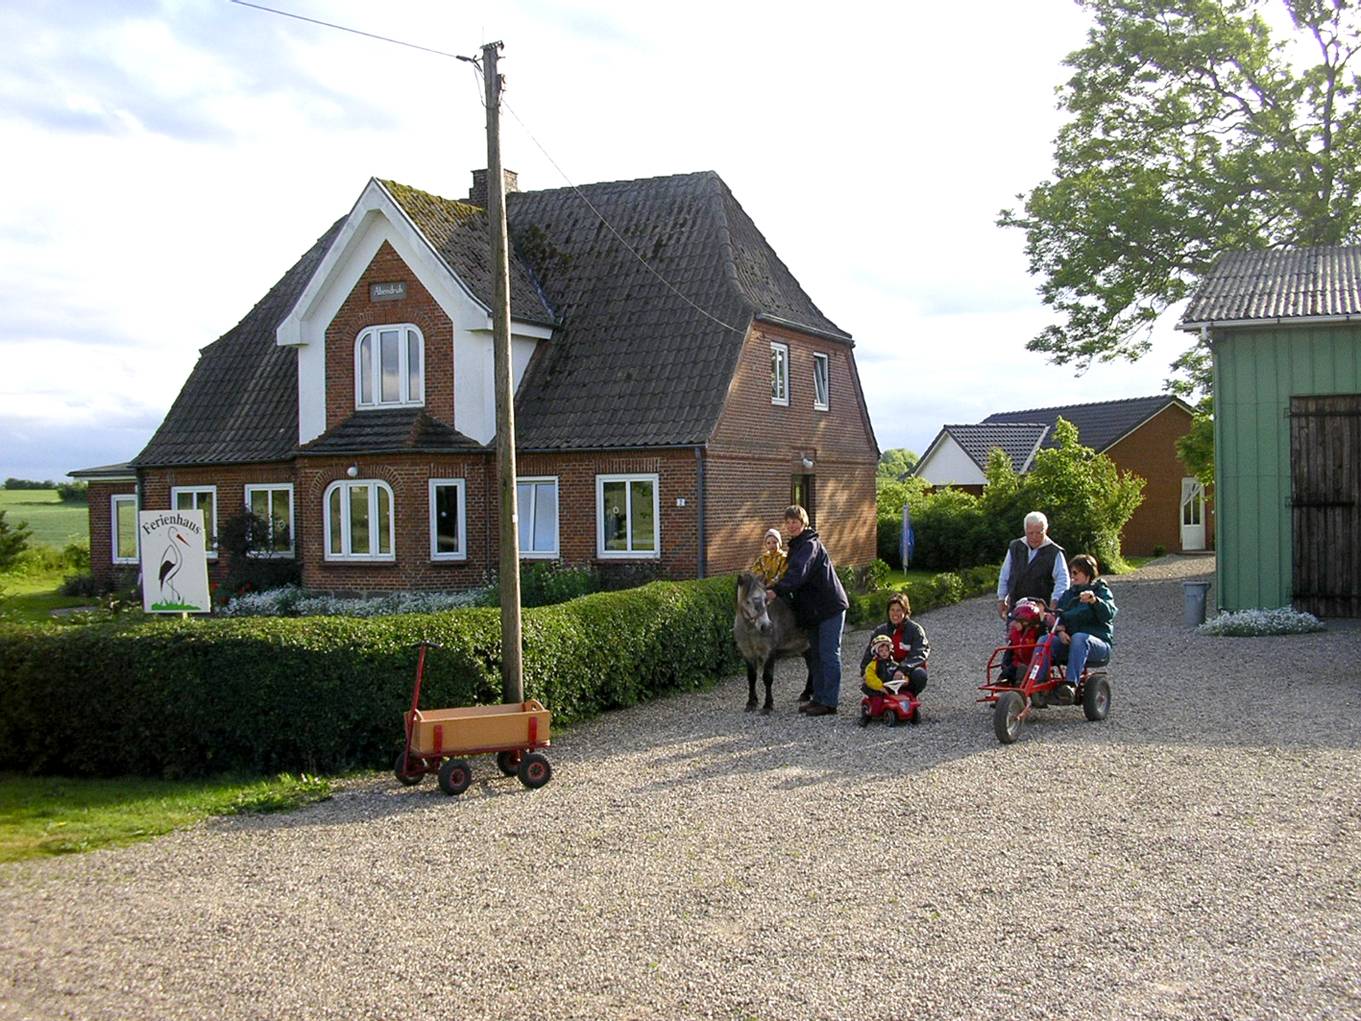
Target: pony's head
751,602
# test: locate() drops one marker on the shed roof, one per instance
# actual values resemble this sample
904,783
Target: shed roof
1267,286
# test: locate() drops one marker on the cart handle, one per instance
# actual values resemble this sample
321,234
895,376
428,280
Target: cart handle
426,643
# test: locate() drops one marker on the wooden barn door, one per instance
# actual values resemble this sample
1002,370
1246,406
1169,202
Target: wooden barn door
1325,505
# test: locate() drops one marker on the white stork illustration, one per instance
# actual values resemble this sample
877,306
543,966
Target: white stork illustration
171,561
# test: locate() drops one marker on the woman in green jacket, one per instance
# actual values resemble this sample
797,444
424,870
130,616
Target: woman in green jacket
1086,624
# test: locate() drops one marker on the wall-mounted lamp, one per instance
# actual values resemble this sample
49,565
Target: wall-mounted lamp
807,464
352,471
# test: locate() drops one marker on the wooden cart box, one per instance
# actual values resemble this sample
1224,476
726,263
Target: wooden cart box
471,730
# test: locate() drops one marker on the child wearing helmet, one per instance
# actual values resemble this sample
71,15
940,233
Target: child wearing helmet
908,643
770,565
881,666
1025,622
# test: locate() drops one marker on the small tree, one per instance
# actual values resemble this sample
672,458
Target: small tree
1087,499
251,565
13,541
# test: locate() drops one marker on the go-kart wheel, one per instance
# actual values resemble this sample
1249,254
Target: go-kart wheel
535,770
865,716
400,770
1006,718
454,776
508,763
1096,698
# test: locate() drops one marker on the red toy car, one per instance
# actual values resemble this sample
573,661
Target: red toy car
1043,684
894,705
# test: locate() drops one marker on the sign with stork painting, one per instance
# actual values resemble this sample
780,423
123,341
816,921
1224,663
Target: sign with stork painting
174,562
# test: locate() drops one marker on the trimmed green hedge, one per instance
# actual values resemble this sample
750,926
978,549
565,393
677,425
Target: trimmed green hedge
871,608
324,694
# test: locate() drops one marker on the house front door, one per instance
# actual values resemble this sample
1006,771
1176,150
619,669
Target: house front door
1192,515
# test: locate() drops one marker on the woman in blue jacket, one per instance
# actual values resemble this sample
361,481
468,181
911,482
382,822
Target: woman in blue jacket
1086,624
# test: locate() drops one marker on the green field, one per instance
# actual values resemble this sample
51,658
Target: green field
52,522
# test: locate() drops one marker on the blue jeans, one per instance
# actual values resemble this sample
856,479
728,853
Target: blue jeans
824,643
1083,651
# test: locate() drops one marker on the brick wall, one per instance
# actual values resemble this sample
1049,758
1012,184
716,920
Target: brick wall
1150,451
758,447
358,312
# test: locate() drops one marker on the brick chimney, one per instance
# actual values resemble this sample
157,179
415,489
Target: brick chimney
478,195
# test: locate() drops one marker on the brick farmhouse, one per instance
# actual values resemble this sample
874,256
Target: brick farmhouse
675,390
1138,433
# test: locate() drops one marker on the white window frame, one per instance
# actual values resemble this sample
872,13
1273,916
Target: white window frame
406,400
373,485
779,373
819,358
462,524
527,521
175,492
114,501
274,487
628,479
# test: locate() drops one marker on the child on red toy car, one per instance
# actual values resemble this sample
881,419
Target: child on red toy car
909,643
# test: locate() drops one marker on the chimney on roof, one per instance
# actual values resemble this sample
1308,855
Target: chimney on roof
478,195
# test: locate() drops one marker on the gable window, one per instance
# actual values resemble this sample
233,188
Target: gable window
779,373
272,504
357,519
202,498
822,378
627,517
124,519
389,367
536,504
448,519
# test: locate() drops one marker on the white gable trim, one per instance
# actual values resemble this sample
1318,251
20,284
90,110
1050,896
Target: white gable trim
1030,458
945,463
377,218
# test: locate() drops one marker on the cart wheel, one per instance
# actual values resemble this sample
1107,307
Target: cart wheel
1096,698
535,770
454,776
508,762
1006,718
407,779
890,717
865,716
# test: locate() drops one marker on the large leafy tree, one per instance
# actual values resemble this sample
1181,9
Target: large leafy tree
1195,128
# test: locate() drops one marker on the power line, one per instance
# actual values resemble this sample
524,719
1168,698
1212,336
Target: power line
477,71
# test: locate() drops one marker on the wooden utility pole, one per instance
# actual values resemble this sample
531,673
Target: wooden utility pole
512,670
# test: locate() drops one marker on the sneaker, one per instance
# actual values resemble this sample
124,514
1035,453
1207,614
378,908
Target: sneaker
1064,694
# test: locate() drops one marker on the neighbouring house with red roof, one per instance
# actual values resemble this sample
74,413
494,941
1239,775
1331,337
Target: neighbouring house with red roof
1139,434
673,395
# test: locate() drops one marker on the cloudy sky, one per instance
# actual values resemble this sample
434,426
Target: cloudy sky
167,160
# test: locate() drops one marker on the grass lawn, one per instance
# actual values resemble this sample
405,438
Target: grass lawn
41,816
52,522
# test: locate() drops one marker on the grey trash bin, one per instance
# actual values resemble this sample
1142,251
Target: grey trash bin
1194,591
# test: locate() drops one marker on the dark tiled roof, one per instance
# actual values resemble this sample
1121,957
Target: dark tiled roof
635,363
459,233
1098,424
389,430
1016,439
103,471
241,401
1269,285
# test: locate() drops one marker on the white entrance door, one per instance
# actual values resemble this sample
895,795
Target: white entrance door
1192,515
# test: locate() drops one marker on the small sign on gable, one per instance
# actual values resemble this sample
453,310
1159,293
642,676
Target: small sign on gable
174,562
395,291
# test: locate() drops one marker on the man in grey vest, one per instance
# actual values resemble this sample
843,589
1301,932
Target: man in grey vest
1035,567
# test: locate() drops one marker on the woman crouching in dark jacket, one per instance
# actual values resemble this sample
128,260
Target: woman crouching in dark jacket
910,644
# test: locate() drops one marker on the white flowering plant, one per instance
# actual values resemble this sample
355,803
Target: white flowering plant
1283,620
291,601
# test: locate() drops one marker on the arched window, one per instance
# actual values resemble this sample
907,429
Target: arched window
358,520
389,367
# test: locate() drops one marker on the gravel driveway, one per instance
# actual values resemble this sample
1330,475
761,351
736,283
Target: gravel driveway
1198,855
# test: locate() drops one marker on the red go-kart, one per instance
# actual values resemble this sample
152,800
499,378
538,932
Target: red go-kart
894,704
1022,677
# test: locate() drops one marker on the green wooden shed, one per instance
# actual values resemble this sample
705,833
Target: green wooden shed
1284,328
